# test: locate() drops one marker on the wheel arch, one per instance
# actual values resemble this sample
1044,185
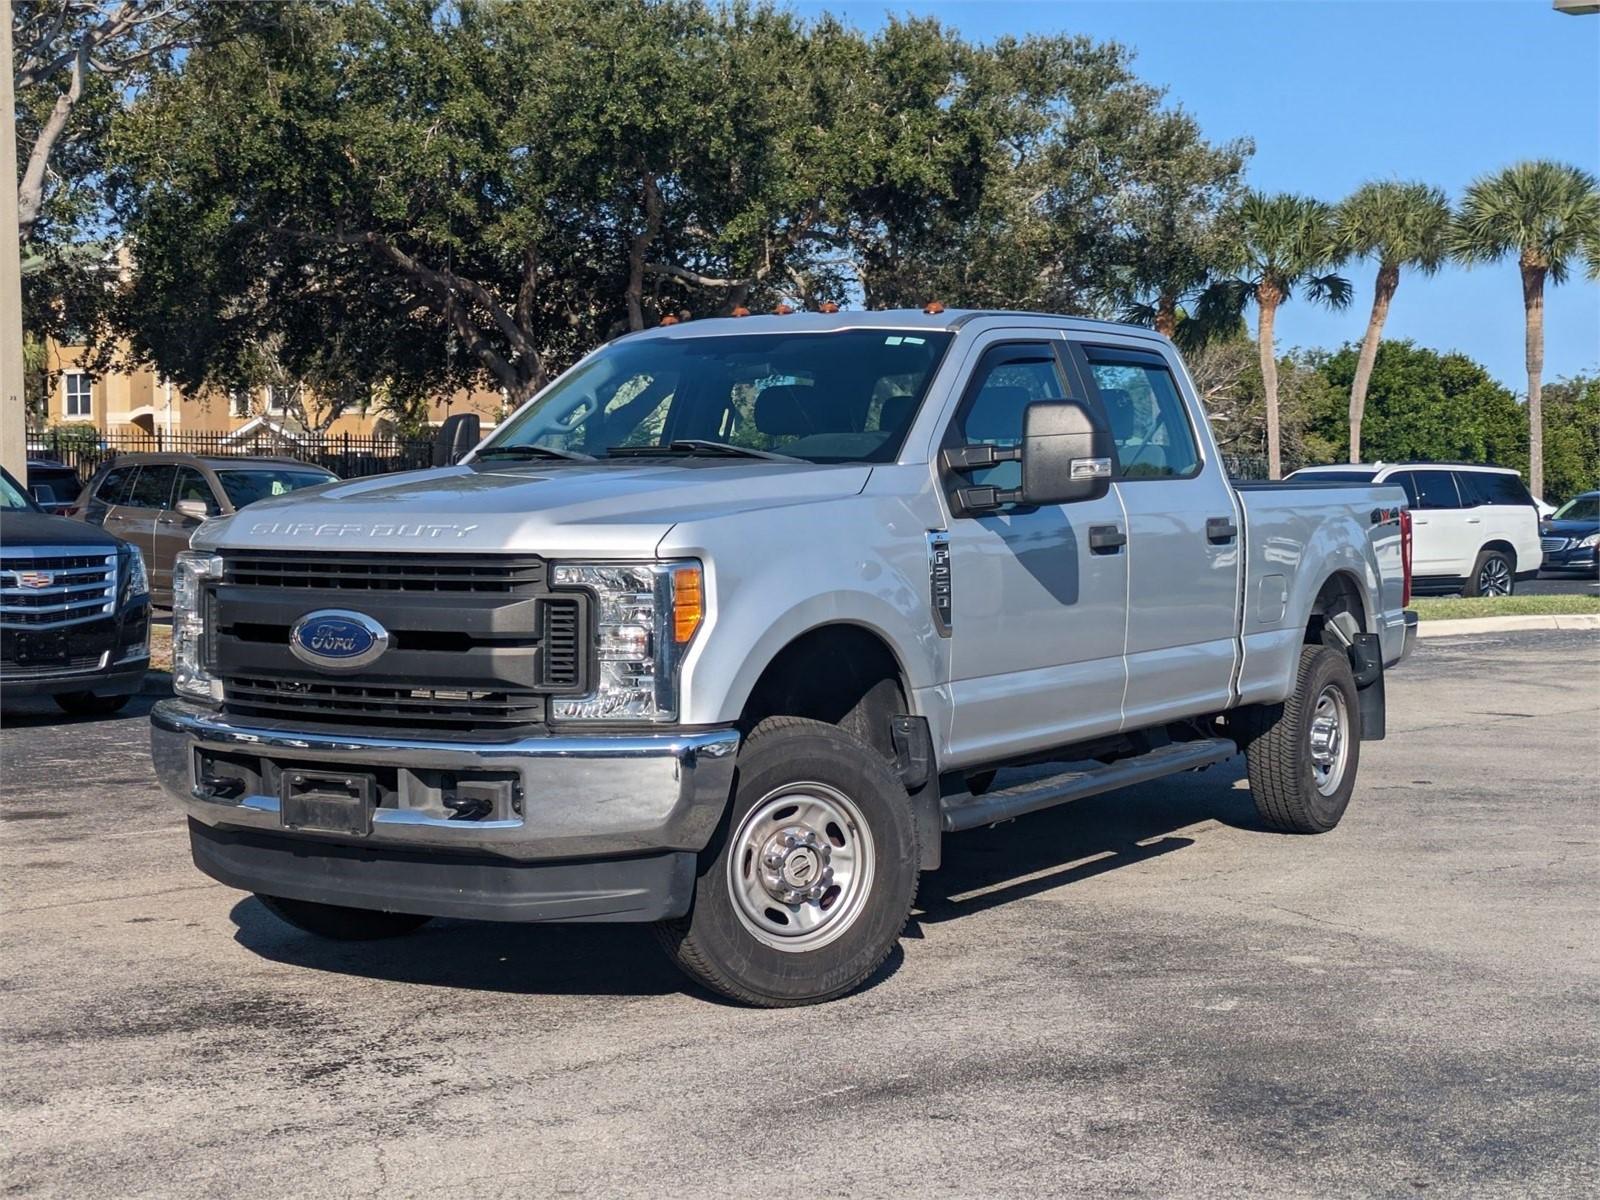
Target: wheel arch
1341,592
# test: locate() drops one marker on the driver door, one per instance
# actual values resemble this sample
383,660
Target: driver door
1038,613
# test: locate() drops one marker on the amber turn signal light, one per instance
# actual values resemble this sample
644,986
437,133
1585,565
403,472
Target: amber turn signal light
688,603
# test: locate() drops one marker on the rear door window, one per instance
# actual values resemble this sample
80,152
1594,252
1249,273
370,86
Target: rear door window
1148,421
1428,489
1492,487
114,487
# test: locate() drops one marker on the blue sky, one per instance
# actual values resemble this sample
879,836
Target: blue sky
1336,92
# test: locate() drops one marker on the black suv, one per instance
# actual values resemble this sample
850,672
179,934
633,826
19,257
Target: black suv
74,609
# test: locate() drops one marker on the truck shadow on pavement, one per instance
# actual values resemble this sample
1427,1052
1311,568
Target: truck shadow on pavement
1078,841
982,869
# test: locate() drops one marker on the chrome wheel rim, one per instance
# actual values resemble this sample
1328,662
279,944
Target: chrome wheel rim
800,867
1495,578
1330,739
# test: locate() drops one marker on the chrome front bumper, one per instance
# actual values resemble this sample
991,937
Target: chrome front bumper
584,796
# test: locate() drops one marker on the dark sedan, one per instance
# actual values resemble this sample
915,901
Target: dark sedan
1570,535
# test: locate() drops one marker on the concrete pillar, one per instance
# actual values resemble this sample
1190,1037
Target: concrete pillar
13,435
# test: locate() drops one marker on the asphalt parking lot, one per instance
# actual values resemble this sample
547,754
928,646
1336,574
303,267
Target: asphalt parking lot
1142,995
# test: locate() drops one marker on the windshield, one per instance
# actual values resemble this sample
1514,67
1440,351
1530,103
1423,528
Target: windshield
1579,508
257,483
12,498
838,397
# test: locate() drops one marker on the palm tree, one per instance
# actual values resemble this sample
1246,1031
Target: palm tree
1397,225
1282,242
1547,213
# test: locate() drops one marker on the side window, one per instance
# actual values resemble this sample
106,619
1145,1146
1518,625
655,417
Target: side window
1428,489
113,488
192,485
1492,487
153,488
1007,380
1149,423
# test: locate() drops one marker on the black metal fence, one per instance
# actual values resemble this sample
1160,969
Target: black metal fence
344,455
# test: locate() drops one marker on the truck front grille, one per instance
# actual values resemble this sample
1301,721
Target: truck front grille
49,586
504,574
476,641
437,709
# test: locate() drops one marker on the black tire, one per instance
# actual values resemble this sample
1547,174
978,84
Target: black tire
341,924
1492,567
87,704
716,944
1279,750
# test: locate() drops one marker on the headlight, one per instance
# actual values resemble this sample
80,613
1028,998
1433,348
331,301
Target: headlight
135,579
646,616
190,572
1592,540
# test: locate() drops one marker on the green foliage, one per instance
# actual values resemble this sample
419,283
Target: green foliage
480,192
1571,437
1395,224
74,437
1455,608
1282,242
1422,404
1545,212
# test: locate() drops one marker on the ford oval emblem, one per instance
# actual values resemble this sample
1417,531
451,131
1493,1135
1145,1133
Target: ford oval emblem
335,639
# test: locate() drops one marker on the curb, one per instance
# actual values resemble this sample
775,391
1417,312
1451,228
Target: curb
1465,625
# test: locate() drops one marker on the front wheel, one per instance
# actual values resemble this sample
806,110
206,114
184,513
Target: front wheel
807,891
1303,753
1492,575
341,924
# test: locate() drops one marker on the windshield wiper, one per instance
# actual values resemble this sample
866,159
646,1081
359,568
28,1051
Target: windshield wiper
690,446
532,452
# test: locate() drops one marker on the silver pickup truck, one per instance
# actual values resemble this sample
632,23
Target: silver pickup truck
727,627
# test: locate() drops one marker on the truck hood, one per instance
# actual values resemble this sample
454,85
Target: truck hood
544,508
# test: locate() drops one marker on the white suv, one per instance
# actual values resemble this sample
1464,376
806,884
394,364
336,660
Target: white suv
1476,528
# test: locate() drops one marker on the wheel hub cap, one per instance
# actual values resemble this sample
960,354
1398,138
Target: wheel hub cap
794,865
800,866
1328,735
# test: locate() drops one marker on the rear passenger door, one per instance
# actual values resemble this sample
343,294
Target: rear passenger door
1444,543
109,494
1183,540
1504,511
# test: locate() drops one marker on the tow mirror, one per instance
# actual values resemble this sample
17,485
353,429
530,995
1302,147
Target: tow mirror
457,435
1066,456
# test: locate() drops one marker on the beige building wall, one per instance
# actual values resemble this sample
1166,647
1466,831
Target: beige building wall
136,400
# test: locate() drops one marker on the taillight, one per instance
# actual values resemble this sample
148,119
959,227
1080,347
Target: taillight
1405,557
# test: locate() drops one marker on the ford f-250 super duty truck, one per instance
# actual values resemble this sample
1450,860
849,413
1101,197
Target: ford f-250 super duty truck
728,626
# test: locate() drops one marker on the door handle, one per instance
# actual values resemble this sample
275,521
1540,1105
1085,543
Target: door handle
1106,539
1474,520
1221,529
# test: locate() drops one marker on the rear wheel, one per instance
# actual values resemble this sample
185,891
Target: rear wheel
87,704
807,891
339,923
1492,575
1303,753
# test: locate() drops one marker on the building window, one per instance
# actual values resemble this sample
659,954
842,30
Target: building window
239,402
275,401
76,384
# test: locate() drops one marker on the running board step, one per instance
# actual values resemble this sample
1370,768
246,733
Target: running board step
966,811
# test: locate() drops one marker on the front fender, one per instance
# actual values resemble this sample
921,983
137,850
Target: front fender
770,579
